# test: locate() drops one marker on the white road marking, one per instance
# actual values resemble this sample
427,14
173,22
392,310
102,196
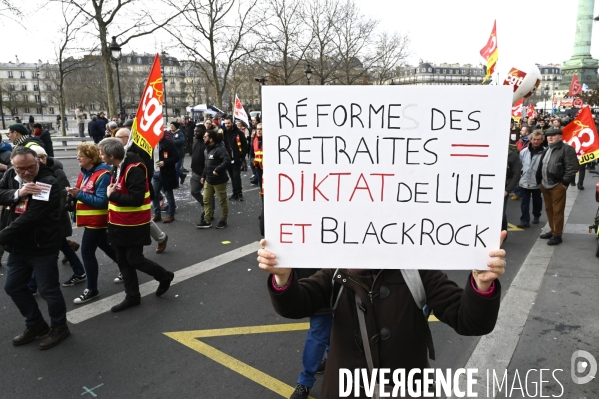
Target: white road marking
94,309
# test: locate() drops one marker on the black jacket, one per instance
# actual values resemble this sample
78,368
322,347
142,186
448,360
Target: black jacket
66,227
513,170
147,160
33,233
168,173
130,236
562,167
47,140
230,136
217,159
198,159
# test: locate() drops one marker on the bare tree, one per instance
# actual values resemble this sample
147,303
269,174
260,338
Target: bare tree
283,40
319,16
135,19
7,7
212,32
72,23
393,51
354,43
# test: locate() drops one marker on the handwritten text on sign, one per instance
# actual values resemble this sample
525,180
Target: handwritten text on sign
385,177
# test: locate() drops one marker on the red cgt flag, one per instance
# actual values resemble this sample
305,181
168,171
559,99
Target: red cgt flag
581,134
517,110
148,125
489,52
575,87
530,111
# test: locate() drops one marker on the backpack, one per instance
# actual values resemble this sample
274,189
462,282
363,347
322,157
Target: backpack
416,287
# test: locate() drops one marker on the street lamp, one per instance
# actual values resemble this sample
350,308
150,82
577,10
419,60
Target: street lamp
115,54
308,73
39,93
164,80
546,93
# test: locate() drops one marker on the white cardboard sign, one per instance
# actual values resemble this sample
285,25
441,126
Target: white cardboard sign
384,176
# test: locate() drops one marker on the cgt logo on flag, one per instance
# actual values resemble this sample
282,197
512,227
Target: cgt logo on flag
514,78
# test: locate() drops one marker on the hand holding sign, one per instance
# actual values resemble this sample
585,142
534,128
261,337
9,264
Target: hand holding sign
29,188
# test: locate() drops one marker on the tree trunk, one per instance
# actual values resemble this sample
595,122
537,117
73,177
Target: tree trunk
108,72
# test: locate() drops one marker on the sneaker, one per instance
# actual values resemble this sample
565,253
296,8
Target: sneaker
555,240
74,280
87,295
301,392
204,225
222,224
535,220
523,225
119,279
321,366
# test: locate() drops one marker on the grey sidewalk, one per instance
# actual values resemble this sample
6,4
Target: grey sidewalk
565,316
547,313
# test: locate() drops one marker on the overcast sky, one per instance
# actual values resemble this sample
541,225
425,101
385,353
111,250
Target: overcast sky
528,31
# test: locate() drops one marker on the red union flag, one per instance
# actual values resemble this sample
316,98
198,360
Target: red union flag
517,110
514,78
581,134
575,87
239,112
490,52
530,111
148,125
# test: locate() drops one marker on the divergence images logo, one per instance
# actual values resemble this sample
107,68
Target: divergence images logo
579,366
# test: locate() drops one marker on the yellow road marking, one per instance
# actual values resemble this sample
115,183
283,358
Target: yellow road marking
191,340
512,227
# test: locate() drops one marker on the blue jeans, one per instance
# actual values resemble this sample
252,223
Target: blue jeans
157,184
46,270
92,240
317,342
179,165
71,256
537,204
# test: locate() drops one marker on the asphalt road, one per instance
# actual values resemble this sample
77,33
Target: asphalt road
128,355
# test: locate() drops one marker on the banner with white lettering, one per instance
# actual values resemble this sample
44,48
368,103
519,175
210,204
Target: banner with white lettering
384,176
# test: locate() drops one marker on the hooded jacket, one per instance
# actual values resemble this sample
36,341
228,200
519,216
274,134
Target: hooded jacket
32,233
397,329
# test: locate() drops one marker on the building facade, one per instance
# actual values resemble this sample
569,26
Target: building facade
444,74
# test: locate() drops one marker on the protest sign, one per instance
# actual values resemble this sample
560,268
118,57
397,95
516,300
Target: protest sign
385,176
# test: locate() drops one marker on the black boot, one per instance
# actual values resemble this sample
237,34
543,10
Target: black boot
30,334
127,303
165,284
56,336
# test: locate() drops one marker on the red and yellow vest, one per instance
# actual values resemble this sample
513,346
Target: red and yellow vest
85,215
257,153
129,215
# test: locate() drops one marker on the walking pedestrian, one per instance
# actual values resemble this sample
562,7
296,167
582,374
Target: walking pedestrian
129,215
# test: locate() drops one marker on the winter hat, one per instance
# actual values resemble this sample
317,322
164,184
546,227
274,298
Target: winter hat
20,128
38,150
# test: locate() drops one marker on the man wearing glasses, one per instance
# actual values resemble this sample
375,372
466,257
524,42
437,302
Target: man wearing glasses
31,199
19,136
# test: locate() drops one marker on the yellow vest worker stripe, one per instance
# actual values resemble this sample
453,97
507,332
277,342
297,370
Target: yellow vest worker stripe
130,215
85,215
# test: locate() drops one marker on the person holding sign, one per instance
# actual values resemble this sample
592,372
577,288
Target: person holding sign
557,169
398,337
31,197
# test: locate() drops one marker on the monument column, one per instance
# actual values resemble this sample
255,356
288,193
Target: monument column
581,63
